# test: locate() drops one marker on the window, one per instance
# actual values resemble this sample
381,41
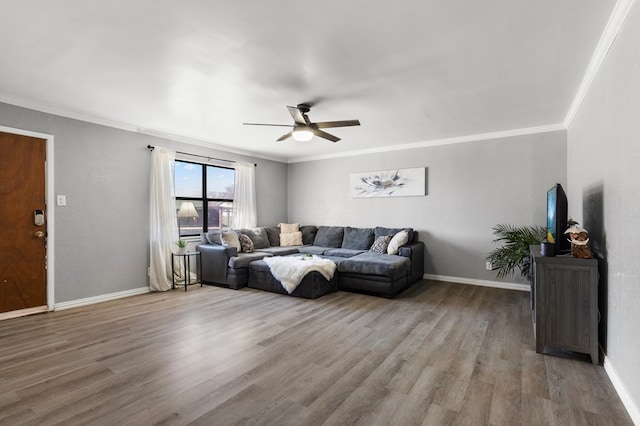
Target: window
210,189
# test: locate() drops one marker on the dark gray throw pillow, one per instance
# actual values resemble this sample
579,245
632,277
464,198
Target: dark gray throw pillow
329,236
308,234
357,238
273,233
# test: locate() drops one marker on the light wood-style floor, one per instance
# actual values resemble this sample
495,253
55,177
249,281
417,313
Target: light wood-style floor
439,353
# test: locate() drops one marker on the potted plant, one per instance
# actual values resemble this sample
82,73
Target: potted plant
514,252
182,245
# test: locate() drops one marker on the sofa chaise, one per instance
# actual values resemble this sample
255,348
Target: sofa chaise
359,267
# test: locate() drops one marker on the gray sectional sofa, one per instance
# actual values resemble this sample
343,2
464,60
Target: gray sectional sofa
358,268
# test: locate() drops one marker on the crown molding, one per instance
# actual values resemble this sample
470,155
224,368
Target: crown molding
54,109
616,20
436,142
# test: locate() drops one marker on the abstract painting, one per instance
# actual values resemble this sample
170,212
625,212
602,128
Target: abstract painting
389,183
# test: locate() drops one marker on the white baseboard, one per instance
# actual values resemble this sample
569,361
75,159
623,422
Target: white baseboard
627,400
102,298
482,283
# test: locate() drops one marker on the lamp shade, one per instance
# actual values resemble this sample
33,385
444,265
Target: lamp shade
187,209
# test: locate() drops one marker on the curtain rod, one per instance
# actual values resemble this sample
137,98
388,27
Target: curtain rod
151,148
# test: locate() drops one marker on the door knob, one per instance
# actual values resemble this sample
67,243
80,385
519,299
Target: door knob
39,234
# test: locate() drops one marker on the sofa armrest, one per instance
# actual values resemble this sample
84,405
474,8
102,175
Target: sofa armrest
415,252
215,259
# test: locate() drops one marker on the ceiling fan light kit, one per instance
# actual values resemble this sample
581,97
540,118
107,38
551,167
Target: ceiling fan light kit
304,129
302,134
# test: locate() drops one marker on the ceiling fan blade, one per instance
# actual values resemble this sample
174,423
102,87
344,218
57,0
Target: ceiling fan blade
298,117
342,123
284,137
264,124
325,135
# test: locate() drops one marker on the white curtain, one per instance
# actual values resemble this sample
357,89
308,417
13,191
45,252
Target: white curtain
164,224
244,200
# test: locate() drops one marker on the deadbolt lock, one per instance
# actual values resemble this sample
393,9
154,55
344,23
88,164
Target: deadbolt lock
39,234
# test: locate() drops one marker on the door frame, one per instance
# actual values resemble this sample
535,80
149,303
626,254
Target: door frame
50,199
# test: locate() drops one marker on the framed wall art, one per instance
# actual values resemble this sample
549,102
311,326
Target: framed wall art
389,183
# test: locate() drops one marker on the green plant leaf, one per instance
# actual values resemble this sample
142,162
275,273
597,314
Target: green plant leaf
514,252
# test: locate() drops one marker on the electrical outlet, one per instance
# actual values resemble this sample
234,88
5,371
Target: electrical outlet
488,266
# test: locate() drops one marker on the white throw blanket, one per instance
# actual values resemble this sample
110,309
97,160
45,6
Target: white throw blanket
290,270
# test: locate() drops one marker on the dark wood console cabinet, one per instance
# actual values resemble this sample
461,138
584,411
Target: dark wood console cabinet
564,303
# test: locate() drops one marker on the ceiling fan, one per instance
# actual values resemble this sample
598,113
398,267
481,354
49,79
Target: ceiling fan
303,129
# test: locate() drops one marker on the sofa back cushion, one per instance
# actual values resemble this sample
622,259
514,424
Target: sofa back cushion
329,236
357,238
381,231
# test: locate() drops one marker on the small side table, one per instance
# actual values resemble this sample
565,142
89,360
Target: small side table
186,264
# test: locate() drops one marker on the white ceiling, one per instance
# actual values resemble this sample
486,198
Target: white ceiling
411,71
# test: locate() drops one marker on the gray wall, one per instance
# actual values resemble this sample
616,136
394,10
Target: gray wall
471,187
604,189
101,236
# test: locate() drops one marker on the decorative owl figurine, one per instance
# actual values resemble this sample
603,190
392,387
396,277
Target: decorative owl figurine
579,238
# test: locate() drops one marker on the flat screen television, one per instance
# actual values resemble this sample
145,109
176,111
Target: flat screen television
557,218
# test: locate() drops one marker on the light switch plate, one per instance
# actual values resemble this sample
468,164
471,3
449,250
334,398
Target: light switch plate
62,200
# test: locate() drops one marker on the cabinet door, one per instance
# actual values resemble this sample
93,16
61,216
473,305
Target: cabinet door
567,306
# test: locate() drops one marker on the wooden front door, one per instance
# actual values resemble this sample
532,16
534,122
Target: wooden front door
23,275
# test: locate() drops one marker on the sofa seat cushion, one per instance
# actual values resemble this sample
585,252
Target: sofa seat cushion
242,260
280,251
370,263
343,252
334,259
317,250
